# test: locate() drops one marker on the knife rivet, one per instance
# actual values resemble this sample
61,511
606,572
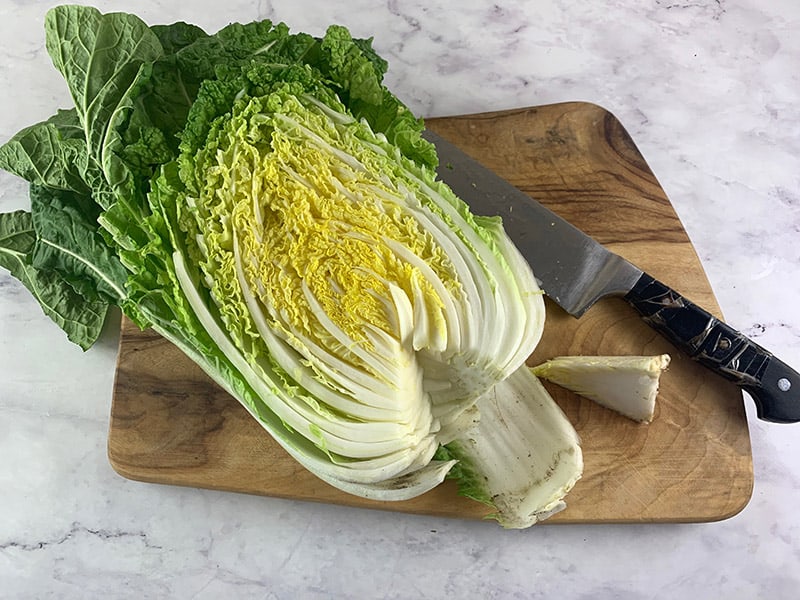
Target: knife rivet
784,384
724,344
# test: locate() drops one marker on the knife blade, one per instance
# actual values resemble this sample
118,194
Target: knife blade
576,271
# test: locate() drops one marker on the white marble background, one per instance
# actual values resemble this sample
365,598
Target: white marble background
710,92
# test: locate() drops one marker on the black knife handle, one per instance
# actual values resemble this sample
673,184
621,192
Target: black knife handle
774,386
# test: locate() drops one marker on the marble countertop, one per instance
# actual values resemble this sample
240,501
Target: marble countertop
709,91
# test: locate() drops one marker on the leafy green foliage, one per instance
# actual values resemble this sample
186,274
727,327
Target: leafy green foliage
49,154
68,240
81,318
100,57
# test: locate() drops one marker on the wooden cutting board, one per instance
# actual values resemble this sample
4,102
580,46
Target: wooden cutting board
170,424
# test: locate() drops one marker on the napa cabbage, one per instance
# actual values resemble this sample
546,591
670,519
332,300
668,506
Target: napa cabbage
264,202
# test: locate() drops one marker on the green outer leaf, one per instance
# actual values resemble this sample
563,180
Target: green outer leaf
177,36
351,68
358,70
81,319
255,56
68,240
162,99
100,57
49,153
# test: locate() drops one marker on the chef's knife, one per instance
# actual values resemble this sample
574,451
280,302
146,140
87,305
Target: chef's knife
576,271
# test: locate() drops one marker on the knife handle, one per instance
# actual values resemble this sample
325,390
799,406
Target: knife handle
774,386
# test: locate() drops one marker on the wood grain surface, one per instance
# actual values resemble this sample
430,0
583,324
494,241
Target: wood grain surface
170,424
